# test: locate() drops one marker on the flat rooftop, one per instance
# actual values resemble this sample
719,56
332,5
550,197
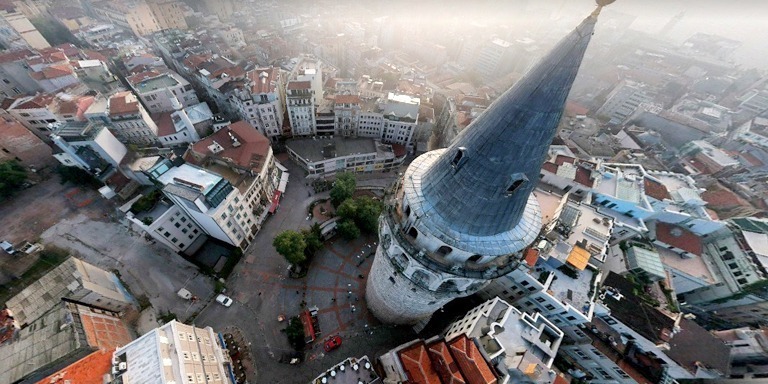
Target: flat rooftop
191,175
153,84
548,203
315,150
694,266
568,290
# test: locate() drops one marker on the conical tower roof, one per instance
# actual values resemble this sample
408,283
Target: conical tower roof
481,183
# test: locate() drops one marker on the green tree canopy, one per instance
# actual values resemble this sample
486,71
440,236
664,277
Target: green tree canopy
291,245
363,211
12,176
343,188
312,239
347,229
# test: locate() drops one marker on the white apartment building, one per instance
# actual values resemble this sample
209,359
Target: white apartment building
300,103
129,120
174,353
400,117
170,225
155,90
227,195
89,146
260,101
514,341
185,125
324,156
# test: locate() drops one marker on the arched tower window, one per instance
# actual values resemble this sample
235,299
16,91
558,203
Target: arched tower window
407,211
474,258
448,286
413,232
420,278
444,250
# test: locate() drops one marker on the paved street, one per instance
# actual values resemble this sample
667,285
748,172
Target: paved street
262,290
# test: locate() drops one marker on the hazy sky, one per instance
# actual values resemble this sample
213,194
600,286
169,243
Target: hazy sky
743,20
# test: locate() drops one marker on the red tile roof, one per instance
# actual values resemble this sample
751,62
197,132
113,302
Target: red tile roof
417,365
444,364
164,123
398,150
679,237
721,197
7,57
347,99
123,103
584,177
139,77
573,109
655,189
471,362
253,150
549,167
104,332
53,72
299,85
531,256
560,160
268,85
38,101
560,380
88,370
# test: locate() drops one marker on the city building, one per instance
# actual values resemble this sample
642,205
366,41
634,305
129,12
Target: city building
300,103
156,90
749,352
65,333
350,371
73,280
129,121
89,146
324,156
133,15
226,194
623,101
464,215
259,99
14,74
19,144
43,113
494,59
176,353
704,158
184,125
169,14
16,31
662,345
520,346
400,115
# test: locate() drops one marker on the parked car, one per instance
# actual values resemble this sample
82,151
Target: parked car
224,300
7,247
332,343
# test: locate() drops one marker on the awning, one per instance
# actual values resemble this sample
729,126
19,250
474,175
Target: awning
309,330
275,201
283,182
578,258
280,166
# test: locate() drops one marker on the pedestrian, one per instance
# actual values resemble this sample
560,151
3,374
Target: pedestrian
259,293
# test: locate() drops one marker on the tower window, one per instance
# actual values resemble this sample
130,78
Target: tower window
475,258
444,250
413,232
407,210
458,157
518,180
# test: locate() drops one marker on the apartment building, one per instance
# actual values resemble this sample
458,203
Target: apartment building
155,89
133,15
129,121
169,14
17,32
259,99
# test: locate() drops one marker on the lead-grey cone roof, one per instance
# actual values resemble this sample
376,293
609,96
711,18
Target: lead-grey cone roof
508,140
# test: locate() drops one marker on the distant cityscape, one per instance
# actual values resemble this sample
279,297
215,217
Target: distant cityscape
241,191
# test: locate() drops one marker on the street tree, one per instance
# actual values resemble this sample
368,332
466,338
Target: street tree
347,229
367,214
312,239
291,245
343,188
